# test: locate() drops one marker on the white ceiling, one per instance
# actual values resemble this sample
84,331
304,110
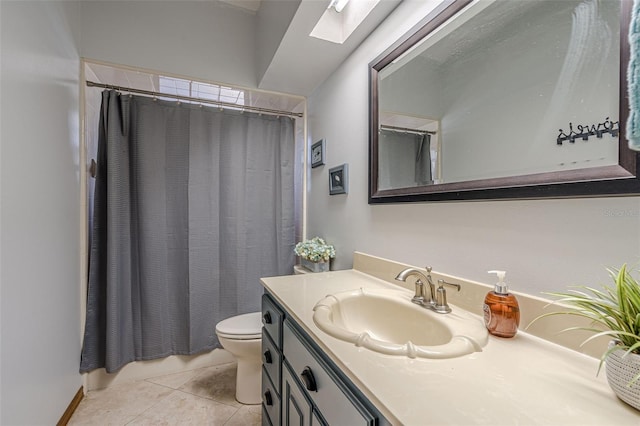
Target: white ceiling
284,56
302,62
299,63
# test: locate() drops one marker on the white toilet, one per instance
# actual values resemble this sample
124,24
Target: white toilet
241,336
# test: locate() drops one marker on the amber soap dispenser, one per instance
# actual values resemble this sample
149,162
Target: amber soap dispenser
501,309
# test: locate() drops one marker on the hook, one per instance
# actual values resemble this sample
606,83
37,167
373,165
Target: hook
607,126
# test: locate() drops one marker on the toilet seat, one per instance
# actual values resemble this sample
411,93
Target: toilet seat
241,327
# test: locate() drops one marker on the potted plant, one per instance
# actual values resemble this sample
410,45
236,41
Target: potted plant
315,254
614,311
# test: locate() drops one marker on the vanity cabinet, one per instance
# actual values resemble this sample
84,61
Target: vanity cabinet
272,317
301,385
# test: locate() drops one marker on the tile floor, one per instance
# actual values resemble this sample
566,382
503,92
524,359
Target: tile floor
198,397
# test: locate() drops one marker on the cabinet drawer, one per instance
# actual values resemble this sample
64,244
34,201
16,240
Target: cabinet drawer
296,408
270,400
272,320
336,403
271,359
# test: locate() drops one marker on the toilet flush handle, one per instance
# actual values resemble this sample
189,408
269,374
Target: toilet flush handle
267,317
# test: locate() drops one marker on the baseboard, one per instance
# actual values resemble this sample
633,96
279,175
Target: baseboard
71,408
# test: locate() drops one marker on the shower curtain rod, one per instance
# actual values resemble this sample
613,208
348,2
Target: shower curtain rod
192,99
407,130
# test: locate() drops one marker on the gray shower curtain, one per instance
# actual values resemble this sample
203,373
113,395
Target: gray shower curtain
192,206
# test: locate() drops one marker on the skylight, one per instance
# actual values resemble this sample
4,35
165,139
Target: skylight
336,27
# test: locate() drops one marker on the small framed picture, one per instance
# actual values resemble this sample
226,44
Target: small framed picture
339,179
317,153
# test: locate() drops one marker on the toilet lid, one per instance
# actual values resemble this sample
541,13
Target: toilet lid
245,325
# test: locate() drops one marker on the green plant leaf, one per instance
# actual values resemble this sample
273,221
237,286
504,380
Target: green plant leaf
616,308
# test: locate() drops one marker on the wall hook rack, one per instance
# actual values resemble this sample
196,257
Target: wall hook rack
584,132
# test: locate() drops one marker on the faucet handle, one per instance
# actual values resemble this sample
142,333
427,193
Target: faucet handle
441,305
442,283
418,298
428,268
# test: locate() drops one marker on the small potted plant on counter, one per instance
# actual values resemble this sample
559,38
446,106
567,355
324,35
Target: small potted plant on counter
315,254
614,311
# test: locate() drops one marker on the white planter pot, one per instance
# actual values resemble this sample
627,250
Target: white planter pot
620,371
314,266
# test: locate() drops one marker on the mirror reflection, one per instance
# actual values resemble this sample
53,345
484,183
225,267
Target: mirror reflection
502,89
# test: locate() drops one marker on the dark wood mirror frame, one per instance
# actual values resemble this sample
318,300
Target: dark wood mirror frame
623,179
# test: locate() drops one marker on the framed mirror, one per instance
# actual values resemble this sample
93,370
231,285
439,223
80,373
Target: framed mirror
492,99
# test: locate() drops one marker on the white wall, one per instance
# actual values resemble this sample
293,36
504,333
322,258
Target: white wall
39,213
272,20
543,244
179,37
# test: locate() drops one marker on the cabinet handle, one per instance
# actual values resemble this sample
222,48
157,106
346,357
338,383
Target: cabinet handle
267,317
267,398
308,379
267,357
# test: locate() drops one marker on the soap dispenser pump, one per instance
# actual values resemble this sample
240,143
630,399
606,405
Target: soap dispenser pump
501,309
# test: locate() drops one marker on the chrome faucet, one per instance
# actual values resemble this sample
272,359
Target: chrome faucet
437,298
420,296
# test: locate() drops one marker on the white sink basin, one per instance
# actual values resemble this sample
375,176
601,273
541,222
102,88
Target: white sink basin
386,321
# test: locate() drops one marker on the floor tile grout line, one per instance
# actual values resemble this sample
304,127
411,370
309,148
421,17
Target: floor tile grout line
153,405
184,389
248,409
176,391
210,398
214,366
164,386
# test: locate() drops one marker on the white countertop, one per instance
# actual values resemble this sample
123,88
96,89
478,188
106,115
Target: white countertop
524,380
